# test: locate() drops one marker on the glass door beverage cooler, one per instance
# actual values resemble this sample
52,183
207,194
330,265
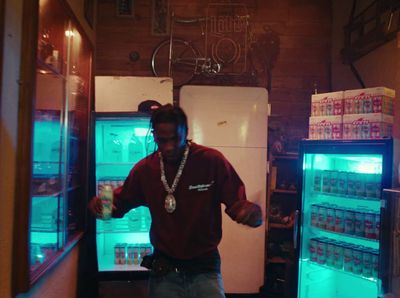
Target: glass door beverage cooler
121,140
343,235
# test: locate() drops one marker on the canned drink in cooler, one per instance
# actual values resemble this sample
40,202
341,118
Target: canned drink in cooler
360,185
375,263
313,244
130,255
342,183
334,182
330,253
142,253
351,184
321,251
326,181
377,224
122,254
369,225
330,218
116,253
339,220
349,218
359,224
357,260
314,215
136,255
338,255
317,180
367,262
370,185
322,216
348,257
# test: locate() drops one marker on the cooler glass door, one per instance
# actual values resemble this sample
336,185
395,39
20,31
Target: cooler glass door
120,143
340,218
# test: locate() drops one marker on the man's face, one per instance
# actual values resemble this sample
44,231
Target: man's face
170,140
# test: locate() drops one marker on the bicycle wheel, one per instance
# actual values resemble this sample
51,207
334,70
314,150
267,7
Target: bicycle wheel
183,61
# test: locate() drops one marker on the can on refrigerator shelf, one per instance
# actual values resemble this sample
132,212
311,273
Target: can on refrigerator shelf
321,251
367,262
377,225
359,224
348,257
130,256
334,181
342,183
358,260
330,253
136,254
369,225
349,218
322,216
317,180
375,263
370,186
338,255
313,244
351,184
326,181
314,215
360,185
330,217
339,220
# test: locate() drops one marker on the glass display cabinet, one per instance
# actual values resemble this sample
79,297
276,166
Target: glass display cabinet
59,141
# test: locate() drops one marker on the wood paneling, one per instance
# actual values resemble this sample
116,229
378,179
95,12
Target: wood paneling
303,26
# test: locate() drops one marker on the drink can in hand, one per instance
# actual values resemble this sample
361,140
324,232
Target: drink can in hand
106,197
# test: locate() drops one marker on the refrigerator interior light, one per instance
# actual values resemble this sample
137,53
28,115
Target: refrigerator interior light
142,132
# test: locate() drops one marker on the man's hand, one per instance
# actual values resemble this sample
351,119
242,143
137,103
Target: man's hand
248,214
96,207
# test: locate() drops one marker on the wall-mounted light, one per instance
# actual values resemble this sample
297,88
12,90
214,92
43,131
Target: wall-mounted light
69,33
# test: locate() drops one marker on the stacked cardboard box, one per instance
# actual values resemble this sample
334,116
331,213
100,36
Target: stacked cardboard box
368,113
326,116
352,114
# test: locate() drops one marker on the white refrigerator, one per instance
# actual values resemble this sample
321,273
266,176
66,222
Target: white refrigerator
234,121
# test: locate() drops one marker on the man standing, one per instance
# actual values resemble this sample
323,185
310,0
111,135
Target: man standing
183,184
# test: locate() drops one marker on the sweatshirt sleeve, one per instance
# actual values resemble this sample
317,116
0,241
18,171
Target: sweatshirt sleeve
129,195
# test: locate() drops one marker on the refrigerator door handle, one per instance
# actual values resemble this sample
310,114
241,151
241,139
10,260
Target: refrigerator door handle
295,228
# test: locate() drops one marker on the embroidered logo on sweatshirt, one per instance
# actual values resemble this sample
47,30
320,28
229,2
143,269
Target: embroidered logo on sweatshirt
201,187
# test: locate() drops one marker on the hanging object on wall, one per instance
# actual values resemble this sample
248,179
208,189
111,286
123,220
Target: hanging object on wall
368,29
125,8
160,17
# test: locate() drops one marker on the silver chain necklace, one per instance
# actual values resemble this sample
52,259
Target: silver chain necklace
170,202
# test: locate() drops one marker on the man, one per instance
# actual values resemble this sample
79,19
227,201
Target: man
183,184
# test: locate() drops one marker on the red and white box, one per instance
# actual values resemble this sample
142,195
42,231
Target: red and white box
369,100
327,104
367,126
325,128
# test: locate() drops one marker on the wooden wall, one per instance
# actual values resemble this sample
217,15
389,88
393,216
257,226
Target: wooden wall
302,28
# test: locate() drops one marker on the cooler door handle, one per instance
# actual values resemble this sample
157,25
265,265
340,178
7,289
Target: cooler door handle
295,228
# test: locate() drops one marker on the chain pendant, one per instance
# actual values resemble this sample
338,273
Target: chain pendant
170,203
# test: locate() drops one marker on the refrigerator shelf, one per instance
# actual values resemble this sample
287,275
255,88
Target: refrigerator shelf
281,226
277,260
371,243
284,191
315,266
107,264
344,196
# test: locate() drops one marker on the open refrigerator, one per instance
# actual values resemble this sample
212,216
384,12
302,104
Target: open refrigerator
344,223
121,140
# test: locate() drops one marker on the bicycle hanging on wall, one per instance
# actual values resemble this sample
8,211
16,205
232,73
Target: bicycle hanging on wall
224,37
